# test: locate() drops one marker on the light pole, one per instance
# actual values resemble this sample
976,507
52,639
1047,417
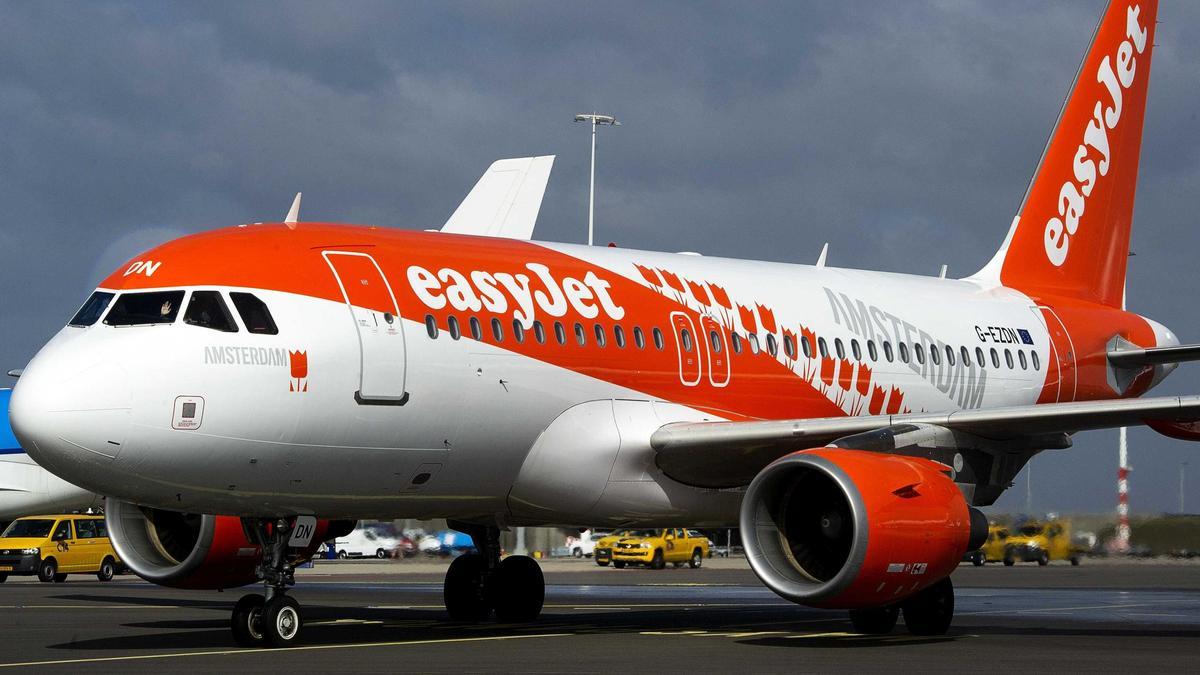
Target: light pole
1182,473
595,120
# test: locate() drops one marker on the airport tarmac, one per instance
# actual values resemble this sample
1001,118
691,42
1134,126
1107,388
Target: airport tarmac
387,615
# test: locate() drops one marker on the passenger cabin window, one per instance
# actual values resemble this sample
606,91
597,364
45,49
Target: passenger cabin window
919,353
856,350
658,339
715,339
872,351
772,345
497,330
935,355
518,331
789,346
1024,362
823,347
840,348
560,333
685,336
619,336
966,356
904,352
737,343
980,358
1008,360
254,314
431,326
949,355
887,351
92,309
476,329
639,338
1037,362
995,358
141,309
601,338
539,332
753,339
453,327
580,334
207,310
806,347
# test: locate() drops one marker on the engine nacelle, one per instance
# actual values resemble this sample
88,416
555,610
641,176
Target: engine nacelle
199,551
849,528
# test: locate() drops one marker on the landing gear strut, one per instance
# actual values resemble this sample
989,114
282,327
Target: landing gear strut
478,584
272,619
926,613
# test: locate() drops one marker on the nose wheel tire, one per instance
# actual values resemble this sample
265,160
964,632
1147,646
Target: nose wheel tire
520,589
281,621
874,621
930,611
246,621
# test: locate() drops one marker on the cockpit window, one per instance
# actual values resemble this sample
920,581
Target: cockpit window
139,309
254,314
92,309
207,310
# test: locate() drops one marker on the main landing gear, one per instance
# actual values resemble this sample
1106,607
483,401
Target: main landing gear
273,619
478,584
926,613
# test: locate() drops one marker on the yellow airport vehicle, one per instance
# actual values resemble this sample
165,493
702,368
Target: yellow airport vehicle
53,546
604,546
656,548
992,549
1039,542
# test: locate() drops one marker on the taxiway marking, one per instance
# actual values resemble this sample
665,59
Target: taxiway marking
233,652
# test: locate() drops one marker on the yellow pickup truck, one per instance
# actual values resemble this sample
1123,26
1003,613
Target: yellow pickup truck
1042,542
656,548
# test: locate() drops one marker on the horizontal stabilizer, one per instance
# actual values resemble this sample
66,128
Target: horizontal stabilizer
506,200
729,454
1154,356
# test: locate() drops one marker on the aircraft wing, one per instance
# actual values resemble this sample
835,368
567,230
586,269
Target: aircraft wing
506,200
729,454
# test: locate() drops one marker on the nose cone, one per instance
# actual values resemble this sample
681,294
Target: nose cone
71,414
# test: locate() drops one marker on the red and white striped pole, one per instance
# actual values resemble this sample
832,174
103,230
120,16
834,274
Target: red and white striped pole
1121,544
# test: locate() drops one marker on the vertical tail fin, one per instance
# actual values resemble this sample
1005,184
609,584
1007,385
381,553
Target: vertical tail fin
1071,235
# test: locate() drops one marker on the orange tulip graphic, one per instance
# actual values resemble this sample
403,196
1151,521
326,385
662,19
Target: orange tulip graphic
767,316
877,394
895,400
649,275
863,379
698,292
749,323
720,296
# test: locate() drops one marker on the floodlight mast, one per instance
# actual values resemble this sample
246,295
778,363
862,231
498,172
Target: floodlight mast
595,120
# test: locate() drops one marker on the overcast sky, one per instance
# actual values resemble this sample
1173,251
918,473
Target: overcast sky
902,133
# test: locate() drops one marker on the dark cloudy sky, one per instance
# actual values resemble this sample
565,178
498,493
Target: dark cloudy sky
902,133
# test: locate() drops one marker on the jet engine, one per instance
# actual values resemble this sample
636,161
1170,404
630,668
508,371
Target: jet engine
198,551
851,529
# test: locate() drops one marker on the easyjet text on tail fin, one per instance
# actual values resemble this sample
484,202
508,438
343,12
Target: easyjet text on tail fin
1071,235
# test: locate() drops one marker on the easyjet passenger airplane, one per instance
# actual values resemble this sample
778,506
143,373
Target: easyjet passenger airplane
240,394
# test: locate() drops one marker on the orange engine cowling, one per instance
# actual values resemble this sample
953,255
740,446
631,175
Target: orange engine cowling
199,551
849,528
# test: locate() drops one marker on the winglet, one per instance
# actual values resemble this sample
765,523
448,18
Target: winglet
293,213
506,200
824,254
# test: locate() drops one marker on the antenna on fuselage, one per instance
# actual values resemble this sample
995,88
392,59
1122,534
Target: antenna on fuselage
293,213
824,254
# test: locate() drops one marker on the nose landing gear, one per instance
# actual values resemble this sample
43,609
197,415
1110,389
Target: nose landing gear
478,584
271,620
